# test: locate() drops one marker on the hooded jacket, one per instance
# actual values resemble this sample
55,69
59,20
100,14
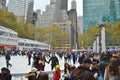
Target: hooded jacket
56,75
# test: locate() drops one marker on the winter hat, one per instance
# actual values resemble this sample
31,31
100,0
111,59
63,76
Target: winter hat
57,67
33,69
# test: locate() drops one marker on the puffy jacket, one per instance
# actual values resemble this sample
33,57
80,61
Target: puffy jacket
56,75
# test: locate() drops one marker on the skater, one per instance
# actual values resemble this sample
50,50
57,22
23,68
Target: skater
8,58
29,58
54,61
57,73
41,62
5,74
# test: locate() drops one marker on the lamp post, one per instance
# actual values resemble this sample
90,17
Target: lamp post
103,44
94,45
97,43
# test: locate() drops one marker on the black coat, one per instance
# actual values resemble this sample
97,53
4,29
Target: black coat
5,77
7,56
54,61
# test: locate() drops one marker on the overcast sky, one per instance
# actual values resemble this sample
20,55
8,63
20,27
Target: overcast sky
40,4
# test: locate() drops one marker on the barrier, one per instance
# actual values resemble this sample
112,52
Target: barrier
21,76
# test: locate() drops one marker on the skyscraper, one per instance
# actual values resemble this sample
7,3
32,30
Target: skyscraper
23,9
80,25
98,11
52,2
60,10
73,18
64,5
29,6
46,18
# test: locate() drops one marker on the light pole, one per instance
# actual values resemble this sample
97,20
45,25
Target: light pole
97,43
94,45
103,44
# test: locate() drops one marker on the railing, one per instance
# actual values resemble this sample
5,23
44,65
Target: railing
21,76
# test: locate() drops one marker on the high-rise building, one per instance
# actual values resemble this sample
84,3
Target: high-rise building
73,18
3,5
80,25
29,6
52,2
60,11
45,19
54,13
98,11
72,14
23,9
65,27
37,21
64,5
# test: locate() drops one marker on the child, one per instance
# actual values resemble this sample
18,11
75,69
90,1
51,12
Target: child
57,73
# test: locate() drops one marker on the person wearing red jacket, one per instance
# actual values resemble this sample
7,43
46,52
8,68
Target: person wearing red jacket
57,73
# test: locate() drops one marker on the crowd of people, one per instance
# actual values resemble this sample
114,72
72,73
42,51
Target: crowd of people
91,65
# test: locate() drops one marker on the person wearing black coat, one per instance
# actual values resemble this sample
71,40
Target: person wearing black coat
29,58
83,71
5,74
8,58
54,61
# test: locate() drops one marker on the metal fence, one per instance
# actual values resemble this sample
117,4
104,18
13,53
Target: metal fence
21,76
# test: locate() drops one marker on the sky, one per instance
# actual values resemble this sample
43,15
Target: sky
40,4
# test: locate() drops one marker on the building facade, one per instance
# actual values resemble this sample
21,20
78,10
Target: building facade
55,12
64,5
73,18
36,17
3,5
80,25
23,9
96,12
45,18
29,9
60,13
65,27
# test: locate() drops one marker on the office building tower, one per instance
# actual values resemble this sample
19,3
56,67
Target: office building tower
73,18
72,14
45,19
60,14
29,6
65,27
23,9
96,12
52,2
64,5
38,17
80,25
